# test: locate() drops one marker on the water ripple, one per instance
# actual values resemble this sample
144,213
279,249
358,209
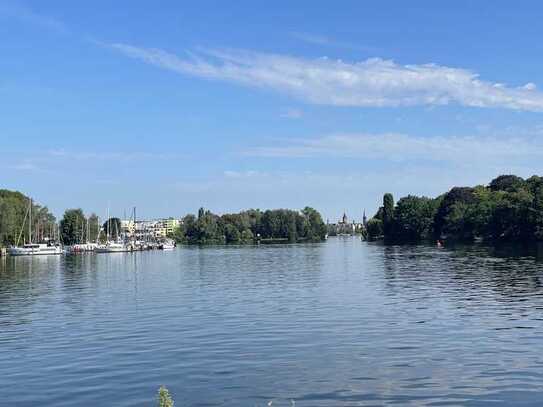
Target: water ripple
342,323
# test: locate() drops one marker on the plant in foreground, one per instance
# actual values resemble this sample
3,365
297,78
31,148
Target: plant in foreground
164,398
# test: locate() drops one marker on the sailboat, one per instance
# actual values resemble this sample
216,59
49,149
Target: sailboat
32,249
111,246
84,245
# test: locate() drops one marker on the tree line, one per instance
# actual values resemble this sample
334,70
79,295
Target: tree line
250,226
14,217
74,227
203,228
509,208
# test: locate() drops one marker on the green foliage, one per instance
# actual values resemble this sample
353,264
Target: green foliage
374,229
164,397
451,218
508,183
13,208
94,227
73,226
231,233
413,218
388,216
250,226
508,209
309,225
112,228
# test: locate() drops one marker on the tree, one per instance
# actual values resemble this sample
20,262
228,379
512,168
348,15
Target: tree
112,228
14,217
94,228
454,201
247,236
374,229
73,226
508,183
231,234
512,216
179,234
316,227
388,215
413,218
243,227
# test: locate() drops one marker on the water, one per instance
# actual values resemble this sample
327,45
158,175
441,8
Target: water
342,323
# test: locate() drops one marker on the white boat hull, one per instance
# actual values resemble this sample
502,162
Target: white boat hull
80,248
112,248
35,250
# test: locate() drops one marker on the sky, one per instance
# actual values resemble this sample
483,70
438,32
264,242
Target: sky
169,106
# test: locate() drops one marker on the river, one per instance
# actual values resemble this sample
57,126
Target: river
341,323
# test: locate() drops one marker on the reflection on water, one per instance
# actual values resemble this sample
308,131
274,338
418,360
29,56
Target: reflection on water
341,323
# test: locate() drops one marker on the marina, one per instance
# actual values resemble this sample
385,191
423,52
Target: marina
48,247
111,238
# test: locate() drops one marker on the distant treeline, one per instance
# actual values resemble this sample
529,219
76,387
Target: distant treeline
281,225
510,208
13,210
250,226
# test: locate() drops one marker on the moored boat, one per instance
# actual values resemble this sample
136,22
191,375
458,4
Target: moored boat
112,247
167,245
34,249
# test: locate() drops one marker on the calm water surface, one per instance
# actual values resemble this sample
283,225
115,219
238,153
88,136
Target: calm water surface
343,323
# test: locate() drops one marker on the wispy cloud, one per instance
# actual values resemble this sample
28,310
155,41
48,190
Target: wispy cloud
323,40
112,155
27,15
404,148
243,174
371,83
25,166
292,114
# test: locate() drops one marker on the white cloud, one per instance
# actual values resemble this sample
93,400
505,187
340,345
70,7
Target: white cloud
27,15
371,83
243,174
329,42
402,148
109,155
25,166
292,114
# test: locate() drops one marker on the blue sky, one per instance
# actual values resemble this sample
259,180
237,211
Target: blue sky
265,104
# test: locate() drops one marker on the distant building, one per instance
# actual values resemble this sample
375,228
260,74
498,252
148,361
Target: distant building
170,225
128,227
150,229
345,227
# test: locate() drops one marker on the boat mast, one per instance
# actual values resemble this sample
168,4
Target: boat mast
108,224
134,234
98,229
30,222
22,228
